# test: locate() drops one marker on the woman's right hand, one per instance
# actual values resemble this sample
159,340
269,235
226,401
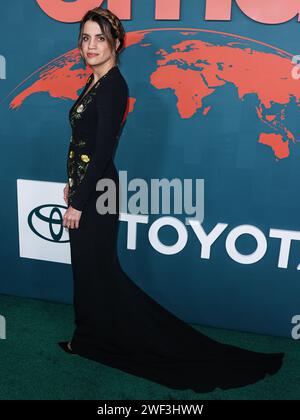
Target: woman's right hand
66,193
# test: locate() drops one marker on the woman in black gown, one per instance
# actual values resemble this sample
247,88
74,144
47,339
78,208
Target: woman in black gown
117,323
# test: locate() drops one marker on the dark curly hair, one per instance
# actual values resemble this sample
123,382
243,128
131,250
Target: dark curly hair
110,25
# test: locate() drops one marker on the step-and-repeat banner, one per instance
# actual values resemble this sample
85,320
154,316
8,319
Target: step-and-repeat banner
213,115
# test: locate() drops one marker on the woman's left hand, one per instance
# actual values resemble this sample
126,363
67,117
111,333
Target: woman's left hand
71,218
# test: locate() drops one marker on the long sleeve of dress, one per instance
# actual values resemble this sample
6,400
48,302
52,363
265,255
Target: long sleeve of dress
111,100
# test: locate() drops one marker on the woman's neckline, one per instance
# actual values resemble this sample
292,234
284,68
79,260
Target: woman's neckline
92,76
86,92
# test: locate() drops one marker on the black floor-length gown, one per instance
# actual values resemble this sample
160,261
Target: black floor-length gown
117,323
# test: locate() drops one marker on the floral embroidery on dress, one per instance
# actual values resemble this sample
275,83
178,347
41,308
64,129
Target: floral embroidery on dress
77,163
81,143
71,167
85,158
81,169
77,112
76,170
79,109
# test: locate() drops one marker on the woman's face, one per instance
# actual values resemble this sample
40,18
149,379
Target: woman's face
95,47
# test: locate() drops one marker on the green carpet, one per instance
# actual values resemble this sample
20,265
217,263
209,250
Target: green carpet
34,367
